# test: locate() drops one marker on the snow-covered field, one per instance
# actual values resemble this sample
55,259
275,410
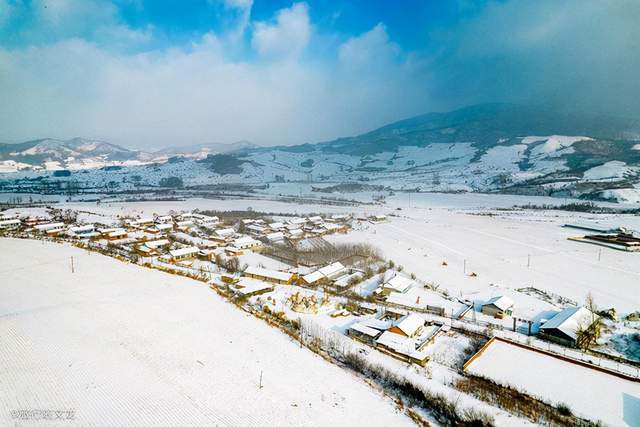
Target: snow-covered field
507,250
587,392
123,345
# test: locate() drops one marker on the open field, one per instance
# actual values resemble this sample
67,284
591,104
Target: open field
507,250
587,392
123,345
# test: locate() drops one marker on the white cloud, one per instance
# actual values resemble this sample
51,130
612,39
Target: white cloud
288,36
369,48
185,96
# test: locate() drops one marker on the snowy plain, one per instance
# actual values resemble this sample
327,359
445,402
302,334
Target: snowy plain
601,396
122,345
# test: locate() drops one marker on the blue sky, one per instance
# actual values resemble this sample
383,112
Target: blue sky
156,73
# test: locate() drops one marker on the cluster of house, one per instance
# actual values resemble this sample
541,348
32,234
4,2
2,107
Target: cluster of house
401,335
296,228
562,327
182,237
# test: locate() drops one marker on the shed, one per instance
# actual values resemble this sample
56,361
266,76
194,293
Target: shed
498,307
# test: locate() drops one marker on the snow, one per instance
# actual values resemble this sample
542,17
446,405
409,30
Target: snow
614,170
587,392
626,195
507,251
570,320
138,346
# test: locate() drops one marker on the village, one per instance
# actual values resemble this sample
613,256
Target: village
290,271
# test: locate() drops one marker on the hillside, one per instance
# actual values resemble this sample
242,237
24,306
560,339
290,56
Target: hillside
483,148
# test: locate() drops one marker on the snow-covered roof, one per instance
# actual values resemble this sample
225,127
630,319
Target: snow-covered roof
569,320
330,226
502,302
332,269
313,277
381,325
276,225
343,281
154,244
247,288
225,232
144,221
184,251
118,232
364,329
275,236
245,241
297,221
49,226
399,283
163,226
410,324
272,274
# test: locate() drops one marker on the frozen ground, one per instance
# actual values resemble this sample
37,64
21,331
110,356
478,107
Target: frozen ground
507,250
587,392
137,346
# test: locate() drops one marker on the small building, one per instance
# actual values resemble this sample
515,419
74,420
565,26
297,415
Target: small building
155,244
184,253
162,227
50,227
409,326
185,225
313,279
317,220
118,233
498,307
397,283
225,233
248,287
273,276
296,234
333,271
378,218
9,224
82,231
232,251
564,326
275,237
164,219
247,242
363,333
255,229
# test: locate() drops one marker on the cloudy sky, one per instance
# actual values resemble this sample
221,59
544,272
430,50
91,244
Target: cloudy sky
157,73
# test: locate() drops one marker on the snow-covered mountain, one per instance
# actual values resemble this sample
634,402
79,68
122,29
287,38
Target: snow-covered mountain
81,153
201,151
490,147
76,153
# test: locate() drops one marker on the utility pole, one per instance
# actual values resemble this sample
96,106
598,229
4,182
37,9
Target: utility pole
260,380
599,254
464,268
72,269
528,261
